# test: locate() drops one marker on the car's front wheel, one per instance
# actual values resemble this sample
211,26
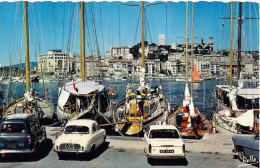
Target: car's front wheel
93,152
150,161
61,156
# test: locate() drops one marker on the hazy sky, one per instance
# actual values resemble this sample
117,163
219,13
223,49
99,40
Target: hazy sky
55,25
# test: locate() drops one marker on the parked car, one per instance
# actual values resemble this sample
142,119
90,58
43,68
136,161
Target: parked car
80,136
247,148
163,142
21,134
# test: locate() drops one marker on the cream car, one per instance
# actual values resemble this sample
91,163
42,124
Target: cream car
163,142
80,136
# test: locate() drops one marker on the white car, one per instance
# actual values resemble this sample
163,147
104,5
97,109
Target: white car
163,142
80,136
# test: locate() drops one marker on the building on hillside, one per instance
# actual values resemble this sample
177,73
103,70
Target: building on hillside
119,68
152,66
103,68
136,68
171,65
214,67
91,68
119,51
57,62
161,39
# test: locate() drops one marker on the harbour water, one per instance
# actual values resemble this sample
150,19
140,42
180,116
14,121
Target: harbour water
173,91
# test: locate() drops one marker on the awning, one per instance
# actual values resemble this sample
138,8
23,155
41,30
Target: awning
249,93
63,98
246,119
83,88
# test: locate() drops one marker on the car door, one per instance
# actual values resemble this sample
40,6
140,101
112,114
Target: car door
33,133
39,130
146,138
94,135
252,147
100,136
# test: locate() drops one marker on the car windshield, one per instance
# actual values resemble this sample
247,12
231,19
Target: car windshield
77,129
164,133
13,128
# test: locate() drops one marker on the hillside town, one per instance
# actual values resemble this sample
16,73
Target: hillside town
161,60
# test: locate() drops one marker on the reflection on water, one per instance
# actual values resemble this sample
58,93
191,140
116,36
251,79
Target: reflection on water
173,91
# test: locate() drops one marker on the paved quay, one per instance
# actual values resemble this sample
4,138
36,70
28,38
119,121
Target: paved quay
217,143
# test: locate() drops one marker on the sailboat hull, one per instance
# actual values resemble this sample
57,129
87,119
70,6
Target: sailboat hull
134,125
192,128
225,117
78,99
37,107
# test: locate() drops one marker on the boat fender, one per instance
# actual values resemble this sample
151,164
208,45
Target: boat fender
210,128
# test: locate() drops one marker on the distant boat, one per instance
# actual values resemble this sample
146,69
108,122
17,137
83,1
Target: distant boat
181,79
35,79
196,76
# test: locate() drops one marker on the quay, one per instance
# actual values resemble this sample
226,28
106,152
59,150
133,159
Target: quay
217,143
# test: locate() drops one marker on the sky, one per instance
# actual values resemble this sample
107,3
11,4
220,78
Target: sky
55,25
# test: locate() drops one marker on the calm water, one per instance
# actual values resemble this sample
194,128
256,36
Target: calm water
173,91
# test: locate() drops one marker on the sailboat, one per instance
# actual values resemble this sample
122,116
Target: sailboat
196,77
82,98
144,105
237,108
29,103
189,120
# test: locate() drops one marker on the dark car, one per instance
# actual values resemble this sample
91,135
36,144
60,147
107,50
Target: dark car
21,134
247,148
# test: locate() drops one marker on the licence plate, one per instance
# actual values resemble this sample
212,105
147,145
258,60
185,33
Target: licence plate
11,145
166,151
70,146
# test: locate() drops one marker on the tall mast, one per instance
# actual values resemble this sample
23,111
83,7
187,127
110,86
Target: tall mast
192,62
142,33
82,41
231,47
10,68
239,41
187,17
26,42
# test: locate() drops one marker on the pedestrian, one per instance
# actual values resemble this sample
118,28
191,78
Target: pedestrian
127,107
161,97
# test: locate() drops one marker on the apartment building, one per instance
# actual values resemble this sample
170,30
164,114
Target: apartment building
119,51
119,67
56,62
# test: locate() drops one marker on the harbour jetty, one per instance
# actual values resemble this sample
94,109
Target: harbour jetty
217,143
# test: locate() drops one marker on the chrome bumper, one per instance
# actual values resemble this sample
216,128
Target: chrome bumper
71,151
6,151
176,156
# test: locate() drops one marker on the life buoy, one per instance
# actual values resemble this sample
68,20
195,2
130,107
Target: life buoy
112,93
